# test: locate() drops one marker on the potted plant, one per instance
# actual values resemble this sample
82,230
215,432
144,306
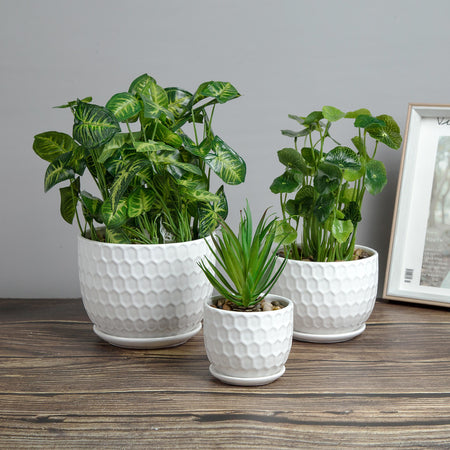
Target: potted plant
332,282
152,153
247,331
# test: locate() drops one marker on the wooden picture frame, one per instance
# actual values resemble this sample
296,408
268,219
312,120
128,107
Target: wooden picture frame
418,266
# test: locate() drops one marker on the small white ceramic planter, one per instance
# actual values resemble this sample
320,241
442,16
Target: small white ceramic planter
332,300
143,296
248,348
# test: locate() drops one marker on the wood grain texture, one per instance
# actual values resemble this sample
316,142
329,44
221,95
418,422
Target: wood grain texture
61,386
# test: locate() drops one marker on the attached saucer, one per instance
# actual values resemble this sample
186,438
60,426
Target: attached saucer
244,381
328,338
147,343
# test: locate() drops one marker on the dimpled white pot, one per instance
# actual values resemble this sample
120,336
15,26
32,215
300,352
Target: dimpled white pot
143,296
332,300
248,348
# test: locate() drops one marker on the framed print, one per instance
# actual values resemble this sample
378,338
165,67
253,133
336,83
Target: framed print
418,267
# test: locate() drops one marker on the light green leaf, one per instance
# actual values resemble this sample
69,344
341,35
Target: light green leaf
358,112
152,146
284,233
51,144
226,163
94,125
119,141
124,106
209,213
154,110
376,177
332,114
341,230
167,136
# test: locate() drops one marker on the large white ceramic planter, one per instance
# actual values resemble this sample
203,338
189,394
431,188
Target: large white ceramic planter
332,300
143,296
248,348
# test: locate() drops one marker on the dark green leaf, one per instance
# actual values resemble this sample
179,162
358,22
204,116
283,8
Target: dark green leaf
343,157
116,236
352,212
69,200
376,177
323,207
305,200
91,207
288,182
314,117
295,134
388,134
178,100
364,121
292,159
310,155
94,125
51,144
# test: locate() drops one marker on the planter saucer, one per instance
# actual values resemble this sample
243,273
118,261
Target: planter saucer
328,338
244,381
147,343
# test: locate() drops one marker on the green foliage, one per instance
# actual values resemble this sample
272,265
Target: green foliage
153,183
329,180
248,260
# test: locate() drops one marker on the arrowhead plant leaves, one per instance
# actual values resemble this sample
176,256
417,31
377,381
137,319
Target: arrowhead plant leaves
153,181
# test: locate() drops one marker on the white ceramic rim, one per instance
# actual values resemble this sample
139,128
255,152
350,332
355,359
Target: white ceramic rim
373,252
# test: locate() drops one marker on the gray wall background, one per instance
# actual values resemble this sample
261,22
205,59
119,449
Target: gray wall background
283,56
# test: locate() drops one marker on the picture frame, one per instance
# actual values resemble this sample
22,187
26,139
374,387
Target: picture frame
418,265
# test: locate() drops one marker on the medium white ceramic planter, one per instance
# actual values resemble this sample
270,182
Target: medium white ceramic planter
332,300
248,348
143,296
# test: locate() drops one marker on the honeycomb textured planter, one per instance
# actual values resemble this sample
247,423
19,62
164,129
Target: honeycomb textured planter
143,296
248,348
332,300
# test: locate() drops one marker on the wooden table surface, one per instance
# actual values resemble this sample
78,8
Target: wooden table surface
62,387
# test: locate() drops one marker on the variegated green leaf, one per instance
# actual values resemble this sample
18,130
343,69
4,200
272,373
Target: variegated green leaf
226,163
91,207
209,214
58,171
116,236
94,125
69,200
178,101
153,110
51,144
152,146
167,136
124,178
124,106
72,103
140,201
117,142
141,85
114,217
220,90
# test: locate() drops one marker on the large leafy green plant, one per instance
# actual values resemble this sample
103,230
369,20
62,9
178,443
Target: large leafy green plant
248,260
152,152
328,185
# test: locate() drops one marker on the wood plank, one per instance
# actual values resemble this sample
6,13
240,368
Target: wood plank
60,385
